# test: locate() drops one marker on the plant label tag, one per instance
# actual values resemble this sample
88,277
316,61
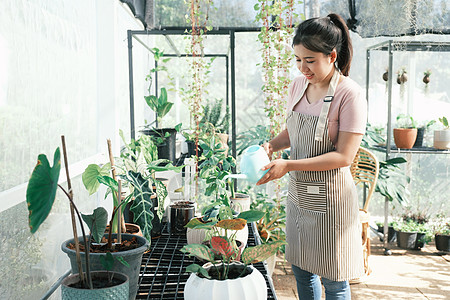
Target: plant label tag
312,190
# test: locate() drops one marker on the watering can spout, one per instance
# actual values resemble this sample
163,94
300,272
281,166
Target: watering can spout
235,176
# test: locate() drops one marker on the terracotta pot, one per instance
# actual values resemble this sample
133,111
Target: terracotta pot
223,137
405,137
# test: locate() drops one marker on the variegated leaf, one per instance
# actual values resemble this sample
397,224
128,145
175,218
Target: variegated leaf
223,245
261,252
199,250
233,224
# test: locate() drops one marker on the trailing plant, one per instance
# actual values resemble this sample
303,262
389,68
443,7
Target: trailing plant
276,32
228,252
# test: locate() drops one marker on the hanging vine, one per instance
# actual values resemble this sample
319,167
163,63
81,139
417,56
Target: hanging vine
198,19
276,34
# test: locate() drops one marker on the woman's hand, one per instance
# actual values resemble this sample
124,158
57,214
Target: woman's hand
278,168
268,148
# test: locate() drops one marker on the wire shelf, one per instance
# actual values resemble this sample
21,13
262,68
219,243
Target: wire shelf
163,274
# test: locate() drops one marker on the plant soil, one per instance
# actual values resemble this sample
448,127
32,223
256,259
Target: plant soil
130,230
98,283
233,272
101,248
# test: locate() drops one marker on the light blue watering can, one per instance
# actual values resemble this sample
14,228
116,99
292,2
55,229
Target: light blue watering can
253,159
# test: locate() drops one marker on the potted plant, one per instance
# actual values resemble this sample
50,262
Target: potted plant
224,273
420,133
214,123
412,234
392,234
40,196
164,138
213,218
405,133
271,227
442,137
442,234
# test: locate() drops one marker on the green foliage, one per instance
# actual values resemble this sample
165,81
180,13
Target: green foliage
405,121
159,105
212,114
254,136
391,182
41,189
91,174
411,226
214,168
97,223
444,122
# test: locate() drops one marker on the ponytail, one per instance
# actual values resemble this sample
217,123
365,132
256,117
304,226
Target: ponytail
324,35
345,53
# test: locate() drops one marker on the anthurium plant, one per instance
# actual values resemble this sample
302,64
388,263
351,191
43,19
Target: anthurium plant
228,252
40,196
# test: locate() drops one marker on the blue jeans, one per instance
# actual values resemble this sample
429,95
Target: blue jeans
310,288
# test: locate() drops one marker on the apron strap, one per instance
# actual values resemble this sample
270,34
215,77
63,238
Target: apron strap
320,128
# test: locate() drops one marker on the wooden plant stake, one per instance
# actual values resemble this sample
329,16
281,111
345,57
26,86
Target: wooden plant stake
72,212
119,212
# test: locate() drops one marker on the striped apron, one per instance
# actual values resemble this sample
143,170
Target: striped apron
322,222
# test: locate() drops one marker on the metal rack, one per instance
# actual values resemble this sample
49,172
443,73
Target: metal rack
392,46
163,274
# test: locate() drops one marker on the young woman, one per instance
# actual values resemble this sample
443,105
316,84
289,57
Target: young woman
326,120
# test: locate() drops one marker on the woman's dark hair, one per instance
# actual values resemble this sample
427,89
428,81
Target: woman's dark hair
325,34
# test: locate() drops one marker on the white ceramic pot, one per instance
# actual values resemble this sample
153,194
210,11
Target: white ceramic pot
441,139
197,236
240,203
250,287
271,264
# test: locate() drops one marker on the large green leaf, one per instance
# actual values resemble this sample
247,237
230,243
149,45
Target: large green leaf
97,223
199,250
41,189
251,215
261,252
142,203
90,175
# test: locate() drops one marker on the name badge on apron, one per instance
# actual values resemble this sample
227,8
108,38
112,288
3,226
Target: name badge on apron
312,190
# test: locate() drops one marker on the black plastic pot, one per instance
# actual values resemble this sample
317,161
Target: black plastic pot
410,240
392,234
419,138
180,214
191,149
167,149
442,242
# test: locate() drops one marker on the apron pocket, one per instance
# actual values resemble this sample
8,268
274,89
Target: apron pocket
311,196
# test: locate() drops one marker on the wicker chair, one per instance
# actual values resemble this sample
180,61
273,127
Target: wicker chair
364,170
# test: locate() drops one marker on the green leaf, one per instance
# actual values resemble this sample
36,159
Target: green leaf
90,175
251,215
107,261
195,223
109,182
97,223
194,268
261,252
122,261
199,250
142,203
41,189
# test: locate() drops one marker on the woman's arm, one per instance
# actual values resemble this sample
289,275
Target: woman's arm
346,148
280,142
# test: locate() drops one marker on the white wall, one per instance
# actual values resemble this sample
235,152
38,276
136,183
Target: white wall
63,71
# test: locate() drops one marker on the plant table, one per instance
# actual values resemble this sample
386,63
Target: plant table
163,270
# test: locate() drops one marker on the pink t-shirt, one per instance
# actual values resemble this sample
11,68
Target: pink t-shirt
348,110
